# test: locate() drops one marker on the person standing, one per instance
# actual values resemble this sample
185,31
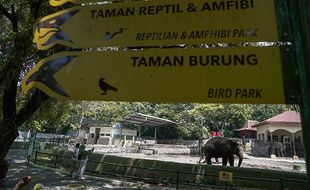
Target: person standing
83,158
74,159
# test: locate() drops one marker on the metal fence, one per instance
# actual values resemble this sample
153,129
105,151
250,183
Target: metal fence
46,143
153,179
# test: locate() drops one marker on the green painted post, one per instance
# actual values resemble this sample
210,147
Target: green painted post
55,163
35,157
281,183
32,143
178,179
300,15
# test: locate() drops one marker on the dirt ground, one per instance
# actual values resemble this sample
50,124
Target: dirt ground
280,163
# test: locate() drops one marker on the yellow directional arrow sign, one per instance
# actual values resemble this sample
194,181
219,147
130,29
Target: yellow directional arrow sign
227,75
160,22
61,2
56,3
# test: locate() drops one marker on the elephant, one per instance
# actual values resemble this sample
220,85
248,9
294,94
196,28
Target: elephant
222,147
268,148
278,148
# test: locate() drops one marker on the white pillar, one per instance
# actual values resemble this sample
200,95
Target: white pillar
293,144
28,135
271,140
155,135
140,132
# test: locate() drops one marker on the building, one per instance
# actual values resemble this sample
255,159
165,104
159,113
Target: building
247,132
283,129
100,133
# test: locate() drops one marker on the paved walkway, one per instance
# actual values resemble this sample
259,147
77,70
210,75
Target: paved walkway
53,179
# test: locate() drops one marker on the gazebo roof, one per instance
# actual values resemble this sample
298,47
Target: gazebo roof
248,126
146,120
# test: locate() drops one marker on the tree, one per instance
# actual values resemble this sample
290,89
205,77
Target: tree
266,111
52,117
17,55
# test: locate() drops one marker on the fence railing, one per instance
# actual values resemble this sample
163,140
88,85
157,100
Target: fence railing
177,182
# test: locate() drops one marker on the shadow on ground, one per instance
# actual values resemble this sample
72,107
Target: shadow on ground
52,179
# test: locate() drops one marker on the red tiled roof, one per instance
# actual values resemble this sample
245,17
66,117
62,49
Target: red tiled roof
248,126
285,117
288,116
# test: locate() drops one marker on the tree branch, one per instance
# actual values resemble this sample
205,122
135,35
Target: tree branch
14,19
11,16
32,105
9,96
3,74
35,7
5,12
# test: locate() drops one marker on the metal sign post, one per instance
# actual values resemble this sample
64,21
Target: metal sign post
301,26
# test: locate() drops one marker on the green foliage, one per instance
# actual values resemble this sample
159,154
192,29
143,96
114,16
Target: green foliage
53,116
265,111
195,120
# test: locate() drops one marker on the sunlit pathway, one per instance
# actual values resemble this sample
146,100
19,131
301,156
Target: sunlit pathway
52,179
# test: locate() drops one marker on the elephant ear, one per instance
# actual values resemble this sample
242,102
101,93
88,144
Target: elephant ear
235,143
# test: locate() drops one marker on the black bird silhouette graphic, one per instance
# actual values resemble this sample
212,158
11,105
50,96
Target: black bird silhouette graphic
53,25
109,35
105,86
46,71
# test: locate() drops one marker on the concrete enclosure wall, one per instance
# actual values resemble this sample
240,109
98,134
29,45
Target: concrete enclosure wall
95,166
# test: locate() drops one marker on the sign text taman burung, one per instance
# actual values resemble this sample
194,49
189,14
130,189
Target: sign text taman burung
151,23
226,75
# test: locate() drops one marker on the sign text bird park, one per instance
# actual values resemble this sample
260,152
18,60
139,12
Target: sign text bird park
225,51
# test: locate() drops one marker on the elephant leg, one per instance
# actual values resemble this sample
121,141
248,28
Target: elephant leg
205,160
224,161
269,152
273,150
216,159
231,160
201,157
208,159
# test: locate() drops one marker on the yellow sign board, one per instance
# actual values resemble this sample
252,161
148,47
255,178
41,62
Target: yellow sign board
226,75
56,3
226,176
160,22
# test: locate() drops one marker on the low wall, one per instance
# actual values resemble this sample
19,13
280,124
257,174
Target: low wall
158,148
116,149
171,149
178,142
241,175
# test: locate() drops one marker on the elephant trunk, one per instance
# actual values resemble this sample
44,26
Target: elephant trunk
240,156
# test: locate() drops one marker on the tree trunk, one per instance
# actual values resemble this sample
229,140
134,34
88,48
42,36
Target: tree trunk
8,133
9,127
18,51
4,167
